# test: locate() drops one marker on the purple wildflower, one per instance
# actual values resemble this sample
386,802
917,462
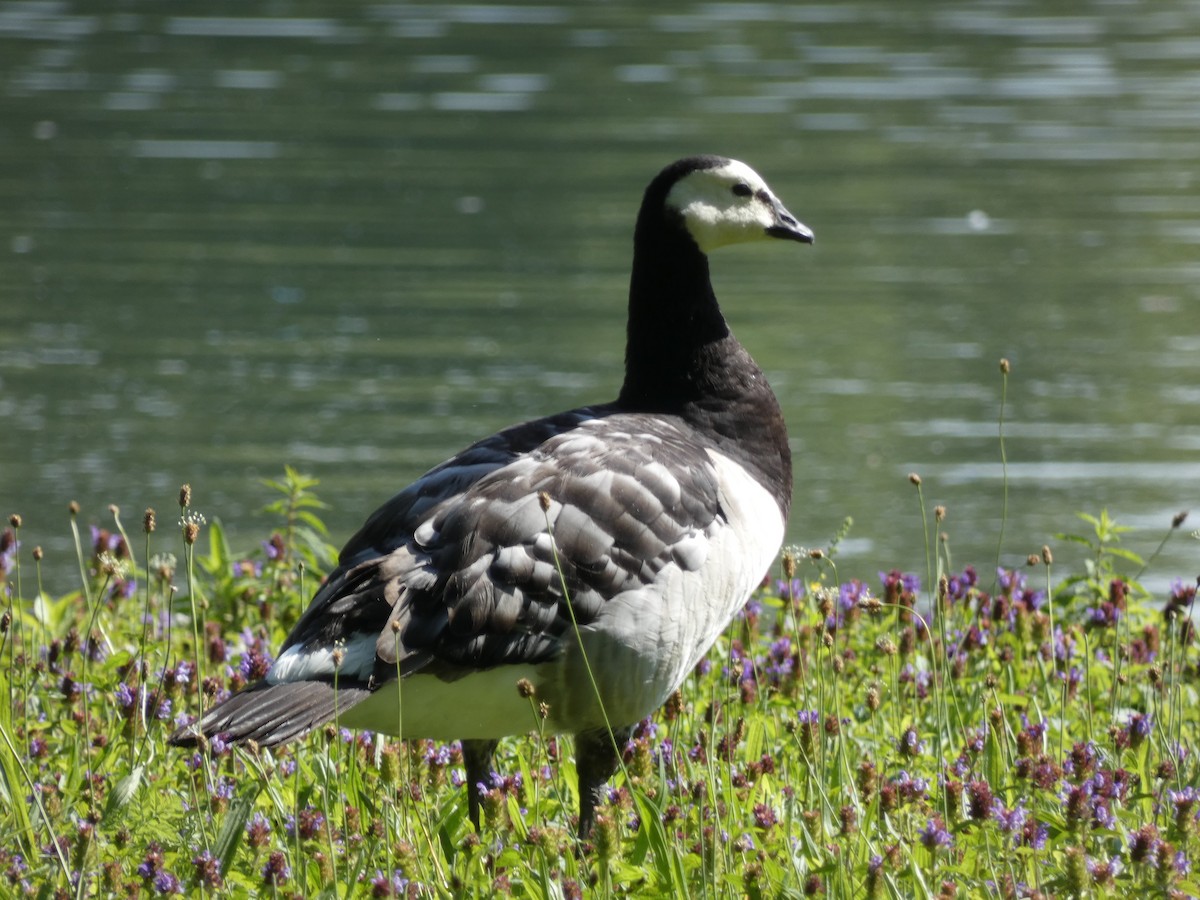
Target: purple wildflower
166,883
255,663
276,871
1140,727
764,816
910,743
910,789
152,863
224,789
310,822
438,755
960,585
851,593
9,545
125,697
258,831
394,885
1034,834
793,589
934,836
1104,616
1010,821
208,870
1143,844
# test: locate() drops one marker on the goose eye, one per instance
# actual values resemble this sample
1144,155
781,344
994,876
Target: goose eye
741,189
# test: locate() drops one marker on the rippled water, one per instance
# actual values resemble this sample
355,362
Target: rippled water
355,238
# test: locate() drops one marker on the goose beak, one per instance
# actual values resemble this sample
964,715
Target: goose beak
788,226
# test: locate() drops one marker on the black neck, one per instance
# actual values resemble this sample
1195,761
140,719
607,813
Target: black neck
673,321
682,359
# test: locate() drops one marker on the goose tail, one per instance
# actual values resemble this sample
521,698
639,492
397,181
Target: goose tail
271,714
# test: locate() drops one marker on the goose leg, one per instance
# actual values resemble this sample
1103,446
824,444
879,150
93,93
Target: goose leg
595,761
477,759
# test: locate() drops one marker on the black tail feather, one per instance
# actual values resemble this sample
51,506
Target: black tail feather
271,714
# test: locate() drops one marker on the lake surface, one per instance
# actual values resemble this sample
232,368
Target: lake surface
354,238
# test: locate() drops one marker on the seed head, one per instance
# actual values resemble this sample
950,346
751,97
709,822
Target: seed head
525,688
939,513
914,479
185,496
1180,518
544,501
14,520
674,706
1005,367
110,565
148,521
873,701
818,553
867,780
848,817
1032,559
1047,556
789,565
38,553
190,522
73,508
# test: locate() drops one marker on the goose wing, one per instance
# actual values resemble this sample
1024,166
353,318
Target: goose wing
471,566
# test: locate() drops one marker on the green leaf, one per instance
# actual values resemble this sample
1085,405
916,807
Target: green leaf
219,561
312,521
667,860
12,780
1122,553
124,791
1074,539
234,824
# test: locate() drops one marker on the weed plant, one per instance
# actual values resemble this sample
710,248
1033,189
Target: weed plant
1009,733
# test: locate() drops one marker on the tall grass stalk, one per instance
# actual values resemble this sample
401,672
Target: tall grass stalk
587,665
1005,368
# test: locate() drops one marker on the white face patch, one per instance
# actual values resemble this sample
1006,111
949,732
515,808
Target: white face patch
726,205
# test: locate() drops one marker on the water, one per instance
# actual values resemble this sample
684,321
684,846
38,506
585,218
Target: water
355,239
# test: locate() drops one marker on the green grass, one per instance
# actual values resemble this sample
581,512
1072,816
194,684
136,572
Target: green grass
1013,734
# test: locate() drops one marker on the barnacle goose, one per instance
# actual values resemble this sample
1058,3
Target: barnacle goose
659,511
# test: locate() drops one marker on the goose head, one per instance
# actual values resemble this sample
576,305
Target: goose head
722,201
